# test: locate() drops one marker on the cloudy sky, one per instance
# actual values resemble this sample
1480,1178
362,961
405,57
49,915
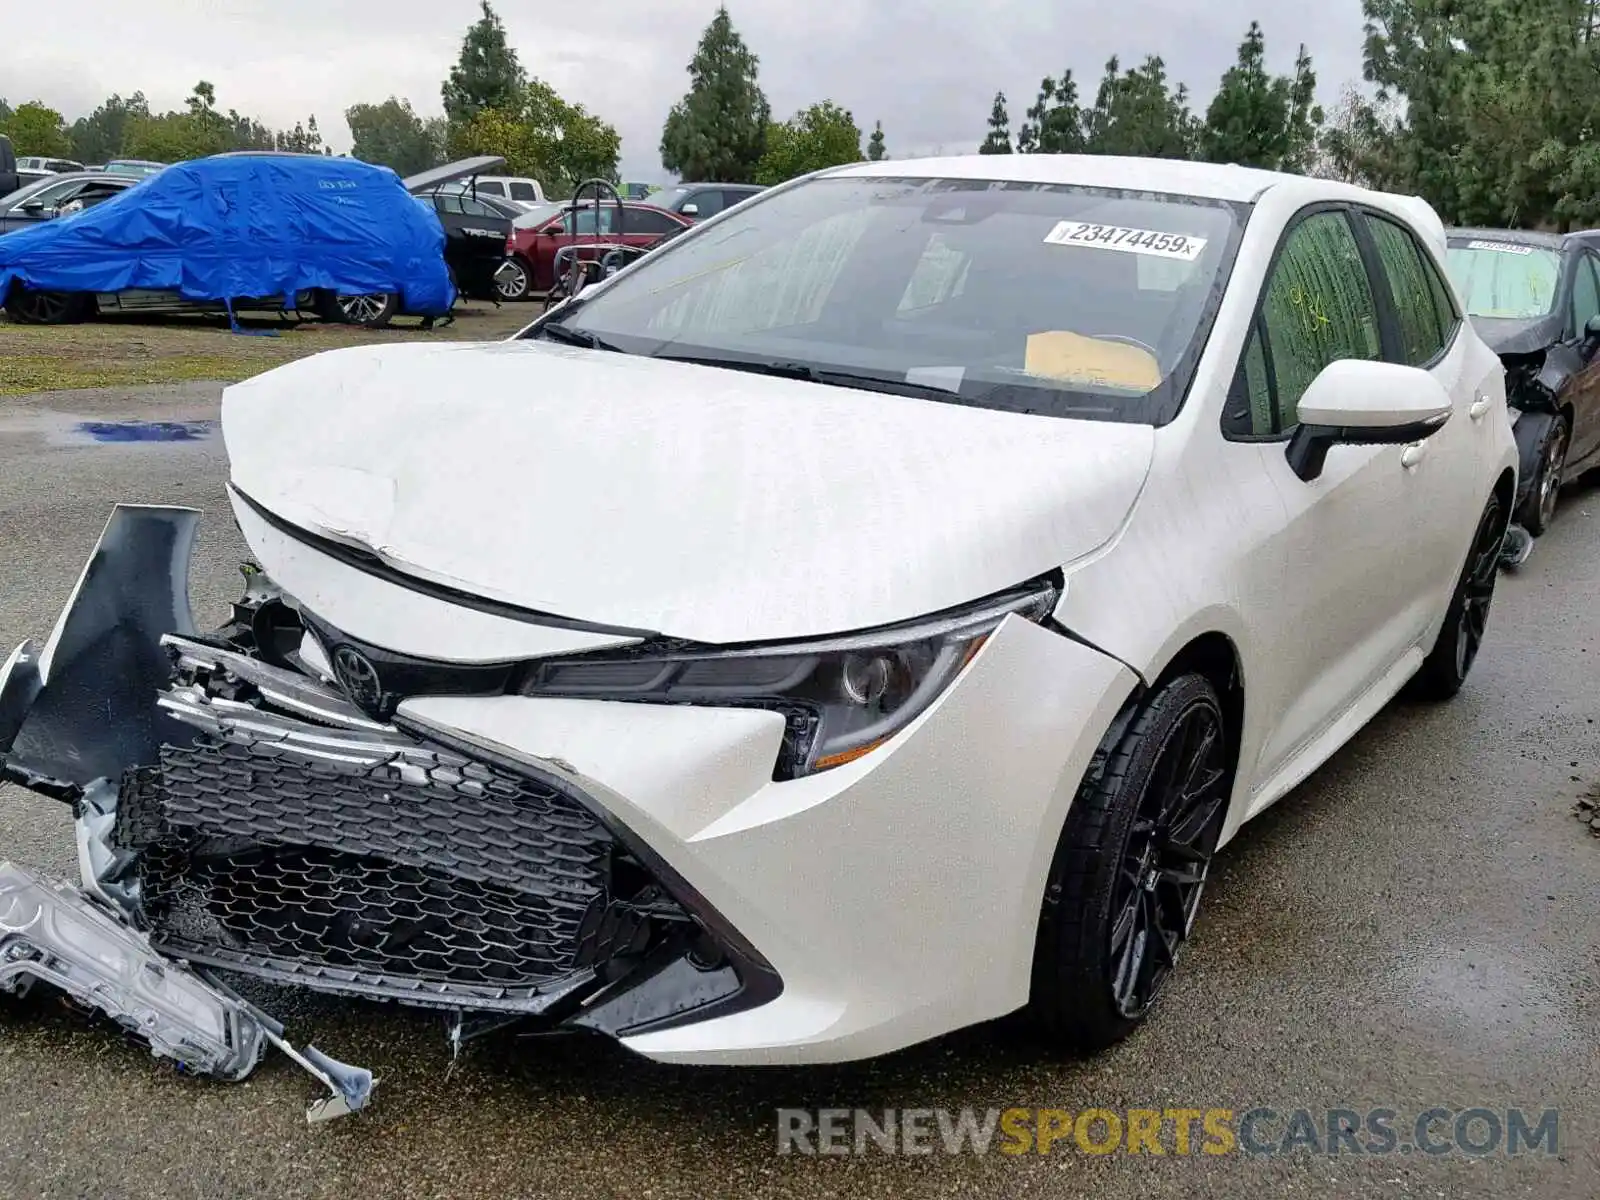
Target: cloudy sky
927,71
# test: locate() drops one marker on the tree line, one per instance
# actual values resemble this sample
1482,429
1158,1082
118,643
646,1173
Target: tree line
721,131
1255,119
1487,108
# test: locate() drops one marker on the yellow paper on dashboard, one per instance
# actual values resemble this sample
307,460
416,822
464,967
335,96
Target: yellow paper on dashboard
1073,357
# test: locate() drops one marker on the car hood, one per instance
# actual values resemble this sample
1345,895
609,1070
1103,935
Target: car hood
1520,335
697,502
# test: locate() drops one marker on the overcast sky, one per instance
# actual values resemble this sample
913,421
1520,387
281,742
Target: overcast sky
927,71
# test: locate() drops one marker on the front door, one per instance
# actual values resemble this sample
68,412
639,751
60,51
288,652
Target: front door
1350,581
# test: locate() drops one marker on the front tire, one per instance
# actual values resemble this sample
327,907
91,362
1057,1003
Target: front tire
1467,618
1128,873
1539,508
26,306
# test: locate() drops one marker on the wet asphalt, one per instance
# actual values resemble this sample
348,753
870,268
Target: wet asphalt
1417,925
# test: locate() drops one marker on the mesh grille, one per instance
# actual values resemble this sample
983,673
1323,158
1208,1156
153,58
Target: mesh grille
450,874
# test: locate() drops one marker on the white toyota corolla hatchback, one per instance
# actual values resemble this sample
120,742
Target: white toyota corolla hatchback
863,617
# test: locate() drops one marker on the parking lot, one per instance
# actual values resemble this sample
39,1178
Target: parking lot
1416,925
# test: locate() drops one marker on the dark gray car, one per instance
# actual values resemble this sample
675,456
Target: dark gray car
697,201
56,195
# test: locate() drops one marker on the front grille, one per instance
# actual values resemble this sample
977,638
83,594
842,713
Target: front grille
427,877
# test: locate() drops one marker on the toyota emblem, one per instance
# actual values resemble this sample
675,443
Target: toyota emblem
359,678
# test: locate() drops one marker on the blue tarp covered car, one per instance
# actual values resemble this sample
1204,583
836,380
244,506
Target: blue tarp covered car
336,236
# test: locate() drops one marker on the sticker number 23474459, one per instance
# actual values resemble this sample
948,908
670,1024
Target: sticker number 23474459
1132,241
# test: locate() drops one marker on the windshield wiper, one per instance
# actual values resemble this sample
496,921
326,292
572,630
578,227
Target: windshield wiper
784,369
557,332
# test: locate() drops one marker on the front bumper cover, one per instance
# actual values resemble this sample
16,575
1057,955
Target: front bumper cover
236,814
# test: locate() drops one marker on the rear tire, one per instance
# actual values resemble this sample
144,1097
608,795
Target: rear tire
1467,618
1125,885
26,306
372,311
519,286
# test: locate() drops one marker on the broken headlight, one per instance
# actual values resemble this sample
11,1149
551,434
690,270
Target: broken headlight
842,696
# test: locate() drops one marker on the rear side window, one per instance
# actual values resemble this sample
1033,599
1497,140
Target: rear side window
524,191
1585,294
1409,274
1317,308
644,220
492,189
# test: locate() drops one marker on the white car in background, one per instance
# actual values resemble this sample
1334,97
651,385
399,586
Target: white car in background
863,617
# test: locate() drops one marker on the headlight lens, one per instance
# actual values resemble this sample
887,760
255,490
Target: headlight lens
841,696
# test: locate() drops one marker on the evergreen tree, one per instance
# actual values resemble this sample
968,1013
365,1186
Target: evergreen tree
1055,122
1261,120
487,73
875,147
1136,112
718,131
998,140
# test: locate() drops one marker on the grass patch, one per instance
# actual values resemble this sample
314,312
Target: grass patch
129,351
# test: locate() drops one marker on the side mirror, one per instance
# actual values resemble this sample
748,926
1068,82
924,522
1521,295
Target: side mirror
1358,403
690,209
33,206
1591,333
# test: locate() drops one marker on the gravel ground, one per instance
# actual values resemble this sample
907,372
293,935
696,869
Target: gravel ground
1414,926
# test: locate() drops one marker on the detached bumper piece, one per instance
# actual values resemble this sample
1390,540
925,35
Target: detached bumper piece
54,934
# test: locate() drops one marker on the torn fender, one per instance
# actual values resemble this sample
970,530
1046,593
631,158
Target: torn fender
84,708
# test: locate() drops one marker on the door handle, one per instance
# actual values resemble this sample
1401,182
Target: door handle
1412,454
1479,407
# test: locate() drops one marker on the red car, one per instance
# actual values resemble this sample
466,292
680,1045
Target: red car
537,236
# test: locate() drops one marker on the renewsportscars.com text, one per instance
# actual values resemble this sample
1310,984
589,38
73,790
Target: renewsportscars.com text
1259,1130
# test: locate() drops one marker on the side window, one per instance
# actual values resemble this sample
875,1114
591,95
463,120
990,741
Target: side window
709,203
1317,308
524,191
492,188
642,220
448,204
1585,294
1421,336
52,195
475,208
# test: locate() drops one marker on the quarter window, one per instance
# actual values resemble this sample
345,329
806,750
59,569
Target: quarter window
1317,308
1422,336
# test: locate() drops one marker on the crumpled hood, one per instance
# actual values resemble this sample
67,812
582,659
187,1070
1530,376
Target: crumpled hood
698,502
1520,335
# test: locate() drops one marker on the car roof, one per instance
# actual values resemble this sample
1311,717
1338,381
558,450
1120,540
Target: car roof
1215,181
1522,237
84,176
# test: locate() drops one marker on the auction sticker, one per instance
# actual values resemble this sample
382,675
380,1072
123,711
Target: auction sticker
1132,241
1502,247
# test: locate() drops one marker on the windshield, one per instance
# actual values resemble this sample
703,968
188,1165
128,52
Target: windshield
1047,298
1505,279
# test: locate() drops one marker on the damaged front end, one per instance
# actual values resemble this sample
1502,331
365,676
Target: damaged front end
1535,382
237,812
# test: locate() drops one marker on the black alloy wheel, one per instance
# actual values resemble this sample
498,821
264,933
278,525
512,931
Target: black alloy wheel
1125,887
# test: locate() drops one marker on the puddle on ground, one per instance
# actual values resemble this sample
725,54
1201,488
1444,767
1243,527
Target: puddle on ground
145,431
1488,995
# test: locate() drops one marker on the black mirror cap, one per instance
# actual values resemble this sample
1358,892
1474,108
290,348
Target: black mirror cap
1308,446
